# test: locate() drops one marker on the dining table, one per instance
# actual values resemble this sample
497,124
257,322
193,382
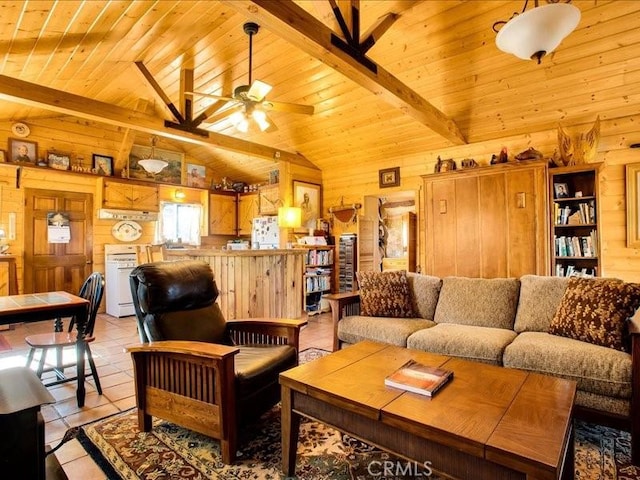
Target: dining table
35,307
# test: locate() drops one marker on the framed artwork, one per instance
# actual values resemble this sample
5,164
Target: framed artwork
307,196
103,164
633,205
389,177
21,150
560,190
172,173
196,176
59,161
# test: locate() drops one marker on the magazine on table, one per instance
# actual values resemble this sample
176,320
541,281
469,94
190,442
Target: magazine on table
418,378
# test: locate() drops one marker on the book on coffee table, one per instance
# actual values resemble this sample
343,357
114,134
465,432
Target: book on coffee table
418,378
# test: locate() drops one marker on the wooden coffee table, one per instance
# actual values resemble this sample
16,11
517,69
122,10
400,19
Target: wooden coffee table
488,423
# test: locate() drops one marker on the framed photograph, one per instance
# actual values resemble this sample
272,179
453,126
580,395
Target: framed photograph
560,190
103,164
172,173
58,160
307,196
196,176
389,177
633,205
21,150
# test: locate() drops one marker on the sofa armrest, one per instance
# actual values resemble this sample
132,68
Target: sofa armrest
266,331
342,304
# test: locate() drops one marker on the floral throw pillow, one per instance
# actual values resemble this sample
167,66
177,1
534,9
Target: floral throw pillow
385,294
596,311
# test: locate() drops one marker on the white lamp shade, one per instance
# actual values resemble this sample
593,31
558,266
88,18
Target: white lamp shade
289,217
538,30
153,165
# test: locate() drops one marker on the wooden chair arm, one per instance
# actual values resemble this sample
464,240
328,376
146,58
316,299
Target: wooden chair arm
634,323
342,305
199,349
266,331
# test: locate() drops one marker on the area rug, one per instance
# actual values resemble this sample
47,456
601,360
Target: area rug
172,452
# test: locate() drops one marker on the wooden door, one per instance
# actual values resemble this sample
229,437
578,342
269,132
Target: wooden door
247,210
222,214
57,266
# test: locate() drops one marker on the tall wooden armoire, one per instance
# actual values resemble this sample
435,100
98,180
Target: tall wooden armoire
487,221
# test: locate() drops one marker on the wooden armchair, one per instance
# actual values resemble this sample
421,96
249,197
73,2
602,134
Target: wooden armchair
196,369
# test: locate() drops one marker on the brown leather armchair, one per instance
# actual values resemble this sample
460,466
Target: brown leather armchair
196,369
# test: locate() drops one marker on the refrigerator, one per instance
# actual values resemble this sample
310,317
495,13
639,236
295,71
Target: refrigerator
265,233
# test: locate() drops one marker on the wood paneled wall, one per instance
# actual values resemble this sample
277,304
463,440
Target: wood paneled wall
357,179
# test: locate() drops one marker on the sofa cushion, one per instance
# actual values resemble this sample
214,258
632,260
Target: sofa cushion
481,344
596,369
386,330
483,302
596,311
425,290
539,300
385,294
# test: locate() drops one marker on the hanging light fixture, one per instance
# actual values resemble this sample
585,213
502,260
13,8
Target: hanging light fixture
240,119
152,164
535,33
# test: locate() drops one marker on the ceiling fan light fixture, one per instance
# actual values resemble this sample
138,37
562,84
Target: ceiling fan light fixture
258,90
537,32
261,119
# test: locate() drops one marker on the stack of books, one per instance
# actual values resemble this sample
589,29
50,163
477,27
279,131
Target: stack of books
418,378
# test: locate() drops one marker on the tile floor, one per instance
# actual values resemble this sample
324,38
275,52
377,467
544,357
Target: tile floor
116,377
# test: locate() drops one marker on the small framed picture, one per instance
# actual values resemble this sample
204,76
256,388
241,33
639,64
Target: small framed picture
103,164
196,176
58,160
21,150
389,177
560,190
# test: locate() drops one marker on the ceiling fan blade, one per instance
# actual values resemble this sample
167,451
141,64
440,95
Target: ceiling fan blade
210,95
288,107
272,126
258,91
224,113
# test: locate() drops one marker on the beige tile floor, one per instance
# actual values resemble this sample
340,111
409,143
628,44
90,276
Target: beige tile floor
116,377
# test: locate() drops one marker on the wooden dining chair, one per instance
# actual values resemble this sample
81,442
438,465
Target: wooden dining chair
92,289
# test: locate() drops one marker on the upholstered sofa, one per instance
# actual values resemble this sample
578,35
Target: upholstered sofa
511,322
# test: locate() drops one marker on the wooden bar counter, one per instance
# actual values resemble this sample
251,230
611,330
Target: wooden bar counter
254,283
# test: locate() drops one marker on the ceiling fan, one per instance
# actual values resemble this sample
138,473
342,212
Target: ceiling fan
248,102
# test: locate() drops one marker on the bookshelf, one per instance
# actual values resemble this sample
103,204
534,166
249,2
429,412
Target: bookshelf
575,239
318,276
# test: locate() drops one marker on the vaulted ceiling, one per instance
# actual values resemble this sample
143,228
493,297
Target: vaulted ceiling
441,79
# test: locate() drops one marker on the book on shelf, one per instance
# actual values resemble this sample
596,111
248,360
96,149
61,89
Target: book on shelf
418,378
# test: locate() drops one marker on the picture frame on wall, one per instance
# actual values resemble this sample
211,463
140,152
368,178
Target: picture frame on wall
23,151
58,160
172,173
307,196
196,176
632,174
103,164
389,177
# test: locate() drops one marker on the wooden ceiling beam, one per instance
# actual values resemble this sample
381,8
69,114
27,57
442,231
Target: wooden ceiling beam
26,93
296,26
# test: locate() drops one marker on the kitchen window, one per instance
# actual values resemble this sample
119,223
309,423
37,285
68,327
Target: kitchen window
179,223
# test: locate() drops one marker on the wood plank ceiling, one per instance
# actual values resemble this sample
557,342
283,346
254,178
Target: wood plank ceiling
444,51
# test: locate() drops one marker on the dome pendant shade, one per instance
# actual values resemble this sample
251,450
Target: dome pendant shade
539,31
152,164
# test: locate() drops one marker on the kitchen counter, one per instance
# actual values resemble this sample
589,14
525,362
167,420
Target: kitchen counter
253,283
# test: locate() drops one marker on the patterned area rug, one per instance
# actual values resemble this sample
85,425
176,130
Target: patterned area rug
172,452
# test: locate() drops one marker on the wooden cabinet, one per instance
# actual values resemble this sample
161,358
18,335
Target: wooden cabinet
222,214
573,193
248,209
269,199
128,195
318,276
487,221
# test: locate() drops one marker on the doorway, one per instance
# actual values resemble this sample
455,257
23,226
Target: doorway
53,264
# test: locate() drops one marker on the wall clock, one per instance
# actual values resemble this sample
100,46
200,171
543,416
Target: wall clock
20,129
127,231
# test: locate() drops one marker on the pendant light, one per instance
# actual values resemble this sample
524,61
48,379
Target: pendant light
152,164
537,32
